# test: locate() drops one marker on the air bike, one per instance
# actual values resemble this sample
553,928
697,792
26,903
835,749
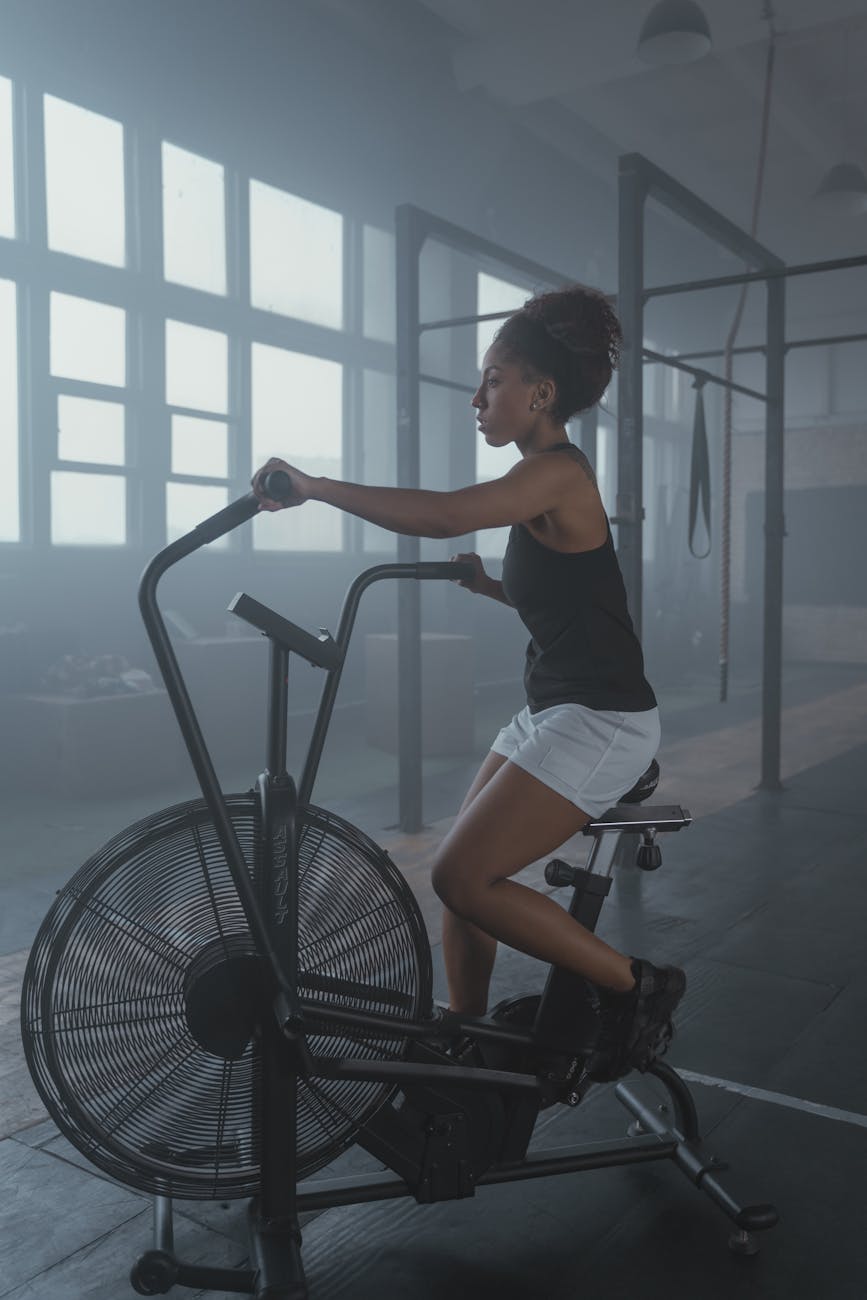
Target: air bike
236,989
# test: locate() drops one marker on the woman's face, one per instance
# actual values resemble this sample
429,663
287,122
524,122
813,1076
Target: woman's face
503,398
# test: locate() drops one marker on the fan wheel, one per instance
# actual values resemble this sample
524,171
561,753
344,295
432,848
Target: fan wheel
144,990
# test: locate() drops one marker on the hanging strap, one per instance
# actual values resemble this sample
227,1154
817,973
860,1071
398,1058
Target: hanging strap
699,473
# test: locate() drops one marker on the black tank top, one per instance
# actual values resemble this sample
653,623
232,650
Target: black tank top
583,648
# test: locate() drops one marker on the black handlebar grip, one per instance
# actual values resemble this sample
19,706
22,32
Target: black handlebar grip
452,570
461,571
277,485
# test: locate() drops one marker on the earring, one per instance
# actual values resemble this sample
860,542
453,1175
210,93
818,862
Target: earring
534,406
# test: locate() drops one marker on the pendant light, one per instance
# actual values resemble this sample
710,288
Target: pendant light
843,190
675,31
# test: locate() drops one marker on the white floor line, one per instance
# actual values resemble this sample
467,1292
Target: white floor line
777,1098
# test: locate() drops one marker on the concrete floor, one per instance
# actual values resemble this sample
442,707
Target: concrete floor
762,900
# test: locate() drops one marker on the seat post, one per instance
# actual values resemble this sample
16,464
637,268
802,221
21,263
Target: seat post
278,704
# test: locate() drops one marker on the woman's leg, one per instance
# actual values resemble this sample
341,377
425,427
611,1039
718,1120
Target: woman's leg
468,952
513,820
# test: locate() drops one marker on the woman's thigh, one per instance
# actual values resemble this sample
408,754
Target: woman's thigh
512,820
491,764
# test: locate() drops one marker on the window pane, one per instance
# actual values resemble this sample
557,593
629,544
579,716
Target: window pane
10,526
188,504
197,367
91,431
296,257
88,340
495,295
200,447
88,509
297,414
194,221
379,287
7,170
84,182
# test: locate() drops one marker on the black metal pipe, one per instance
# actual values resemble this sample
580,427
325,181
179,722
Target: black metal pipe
408,244
706,375
365,1188
398,1072
630,395
419,570
696,212
445,232
447,383
340,1019
775,530
829,341
751,277
278,703
216,526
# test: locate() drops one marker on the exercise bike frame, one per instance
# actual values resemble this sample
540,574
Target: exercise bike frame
270,904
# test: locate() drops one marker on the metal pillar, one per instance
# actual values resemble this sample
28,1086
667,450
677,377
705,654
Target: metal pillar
589,430
775,531
640,179
408,240
413,226
630,392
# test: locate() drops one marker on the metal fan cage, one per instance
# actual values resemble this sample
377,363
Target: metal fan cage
104,1019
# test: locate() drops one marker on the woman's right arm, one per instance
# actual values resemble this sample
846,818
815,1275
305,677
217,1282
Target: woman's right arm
481,583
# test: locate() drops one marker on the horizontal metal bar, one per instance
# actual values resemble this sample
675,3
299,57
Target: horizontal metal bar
445,232
450,1025
594,1155
447,383
707,375
662,187
326,1193
403,1072
749,277
453,322
829,341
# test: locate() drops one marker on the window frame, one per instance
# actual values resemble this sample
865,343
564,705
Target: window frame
149,300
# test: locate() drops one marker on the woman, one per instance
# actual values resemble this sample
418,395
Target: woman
591,726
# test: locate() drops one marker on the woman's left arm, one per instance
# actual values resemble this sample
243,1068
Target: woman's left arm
530,488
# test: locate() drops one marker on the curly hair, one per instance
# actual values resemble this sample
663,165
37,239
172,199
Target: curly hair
570,335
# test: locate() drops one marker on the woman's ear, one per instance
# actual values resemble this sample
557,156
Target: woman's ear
543,395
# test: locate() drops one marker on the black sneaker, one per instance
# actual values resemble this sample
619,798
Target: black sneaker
635,1027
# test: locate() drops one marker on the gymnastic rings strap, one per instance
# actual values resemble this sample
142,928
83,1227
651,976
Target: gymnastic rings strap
699,473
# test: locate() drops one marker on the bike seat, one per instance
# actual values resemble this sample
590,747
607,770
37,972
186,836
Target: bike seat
644,786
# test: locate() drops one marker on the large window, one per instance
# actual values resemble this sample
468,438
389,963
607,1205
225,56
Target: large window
10,526
379,284
7,170
153,380
297,414
494,295
87,345
197,388
84,183
88,340
296,256
194,220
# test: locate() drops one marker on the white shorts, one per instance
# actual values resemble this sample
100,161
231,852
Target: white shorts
590,756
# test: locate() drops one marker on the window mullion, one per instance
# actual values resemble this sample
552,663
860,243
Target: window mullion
148,437
37,411
240,337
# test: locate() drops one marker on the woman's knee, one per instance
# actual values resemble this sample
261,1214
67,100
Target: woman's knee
455,886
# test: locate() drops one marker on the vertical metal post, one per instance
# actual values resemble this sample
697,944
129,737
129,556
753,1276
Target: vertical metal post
775,529
589,428
630,395
409,740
